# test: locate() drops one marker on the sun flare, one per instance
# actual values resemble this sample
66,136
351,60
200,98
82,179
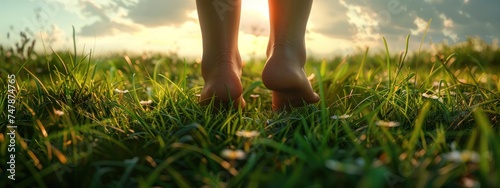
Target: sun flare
259,6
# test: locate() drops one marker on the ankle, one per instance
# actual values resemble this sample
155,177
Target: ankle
221,56
220,61
288,48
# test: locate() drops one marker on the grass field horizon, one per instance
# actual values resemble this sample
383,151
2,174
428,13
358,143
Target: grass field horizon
428,118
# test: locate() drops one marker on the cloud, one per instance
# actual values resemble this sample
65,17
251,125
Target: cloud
105,24
106,28
365,22
448,28
330,18
457,20
156,13
360,22
421,26
91,8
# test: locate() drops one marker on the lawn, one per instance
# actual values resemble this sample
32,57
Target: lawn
427,118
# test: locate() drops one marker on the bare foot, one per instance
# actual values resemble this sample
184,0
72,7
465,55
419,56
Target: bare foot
222,81
284,75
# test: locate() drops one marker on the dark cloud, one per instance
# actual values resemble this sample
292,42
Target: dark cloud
156,13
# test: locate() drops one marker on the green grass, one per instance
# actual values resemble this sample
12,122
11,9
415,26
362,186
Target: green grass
108,139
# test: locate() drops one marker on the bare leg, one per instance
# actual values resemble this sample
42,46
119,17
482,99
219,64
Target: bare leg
221,63
284,69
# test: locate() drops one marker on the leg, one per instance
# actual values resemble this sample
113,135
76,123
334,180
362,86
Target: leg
221,62
284,69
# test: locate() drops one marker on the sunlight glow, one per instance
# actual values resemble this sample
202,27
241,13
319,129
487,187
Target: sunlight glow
259,6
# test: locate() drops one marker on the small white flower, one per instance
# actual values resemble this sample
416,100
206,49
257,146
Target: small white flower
58,112
387,123
462,156
247,134
121,91
345,116
233,154
145,103
435,97
254,95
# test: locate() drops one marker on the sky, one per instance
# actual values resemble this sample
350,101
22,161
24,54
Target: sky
335,26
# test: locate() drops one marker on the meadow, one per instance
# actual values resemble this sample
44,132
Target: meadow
427,118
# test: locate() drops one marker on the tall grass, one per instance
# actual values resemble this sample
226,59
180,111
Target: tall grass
376,125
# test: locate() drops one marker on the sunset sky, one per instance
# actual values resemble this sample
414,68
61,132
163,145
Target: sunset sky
335,26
